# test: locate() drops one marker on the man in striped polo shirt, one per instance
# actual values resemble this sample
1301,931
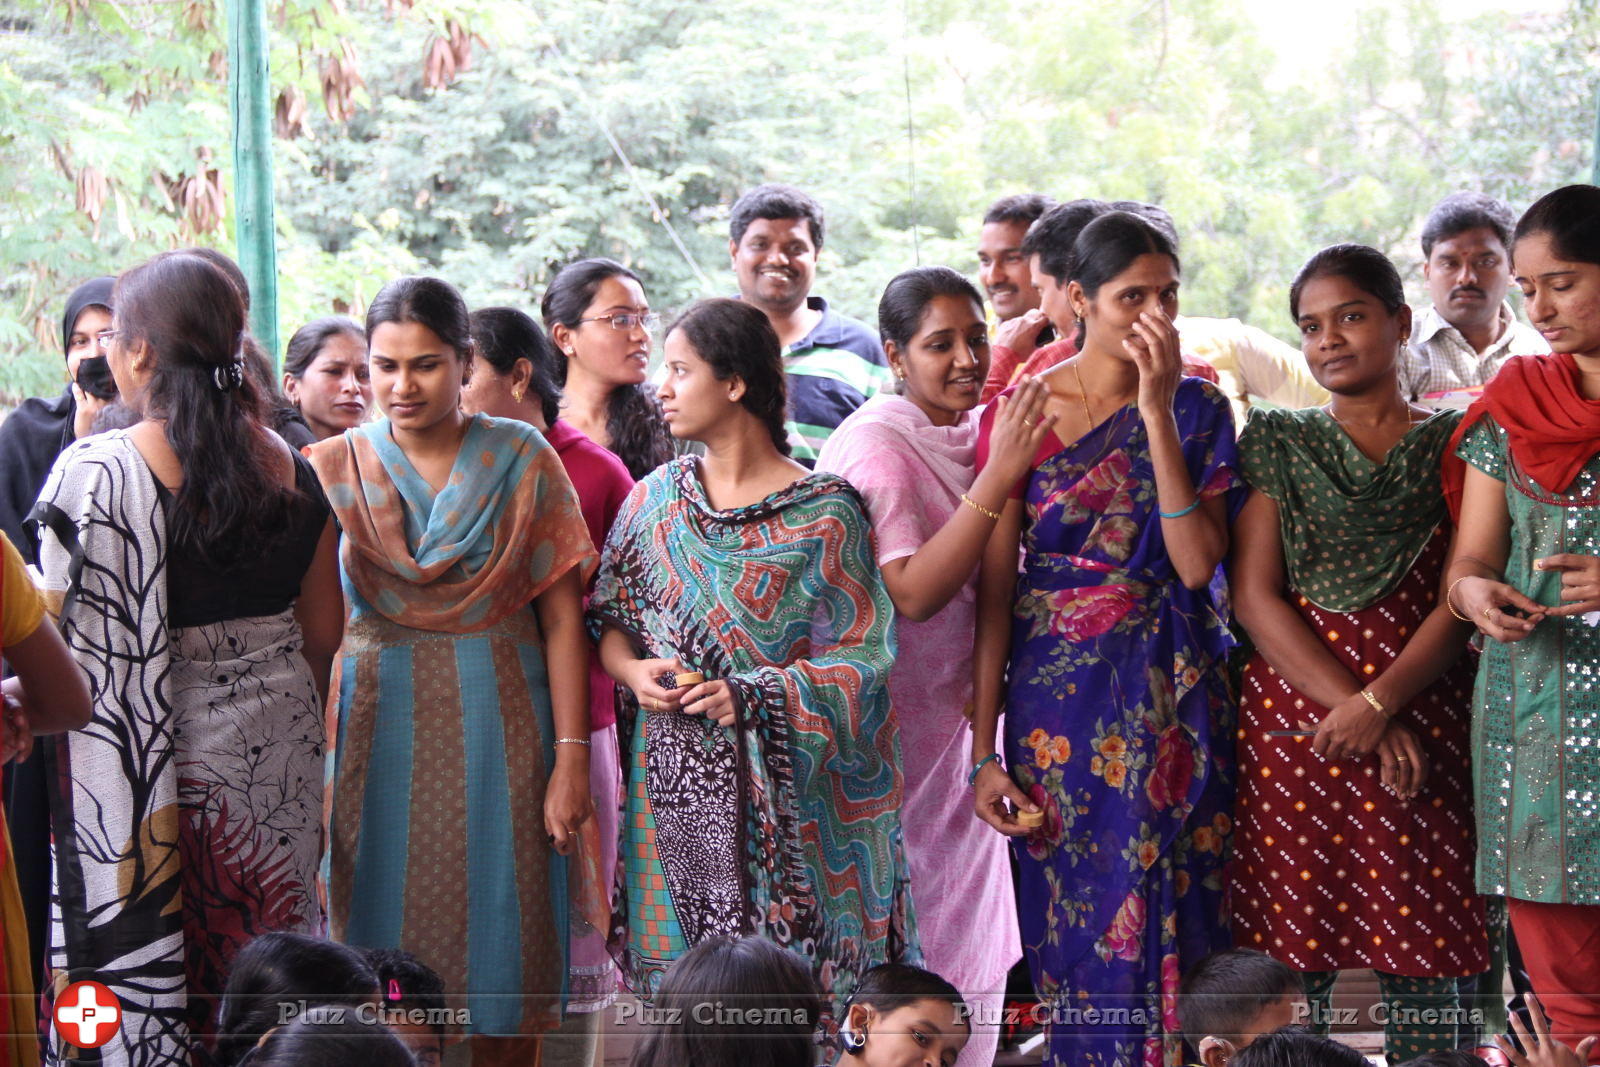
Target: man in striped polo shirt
834,363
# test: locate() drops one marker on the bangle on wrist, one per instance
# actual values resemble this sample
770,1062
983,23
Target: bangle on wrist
1377,705
1449,598
572,740
1180,514
976,767
979,508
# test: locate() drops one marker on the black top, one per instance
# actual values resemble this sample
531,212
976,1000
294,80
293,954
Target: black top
198,593
31,438
292,427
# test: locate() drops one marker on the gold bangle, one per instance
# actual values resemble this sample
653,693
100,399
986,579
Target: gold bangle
1449,597
1377,705
979,508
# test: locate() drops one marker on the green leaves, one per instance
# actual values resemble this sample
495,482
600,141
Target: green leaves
503,170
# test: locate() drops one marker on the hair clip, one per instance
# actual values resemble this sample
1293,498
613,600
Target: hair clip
394,989
229,376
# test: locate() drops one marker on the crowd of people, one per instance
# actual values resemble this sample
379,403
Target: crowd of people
831,668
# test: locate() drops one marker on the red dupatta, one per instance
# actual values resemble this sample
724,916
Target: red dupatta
1553,429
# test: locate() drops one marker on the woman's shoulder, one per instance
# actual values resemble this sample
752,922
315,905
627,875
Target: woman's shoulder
112,445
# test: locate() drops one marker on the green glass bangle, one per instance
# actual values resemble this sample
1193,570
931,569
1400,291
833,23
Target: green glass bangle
1180,514
973,777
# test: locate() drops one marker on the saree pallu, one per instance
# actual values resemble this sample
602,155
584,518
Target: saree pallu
1119,724
446,740
187,814
787,823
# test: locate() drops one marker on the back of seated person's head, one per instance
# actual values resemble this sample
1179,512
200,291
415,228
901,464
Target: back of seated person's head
733,1002
331,1036
277,973
1051,237
1295,1046
1229,997
1154,214
903,1014
1445,1058
412,1002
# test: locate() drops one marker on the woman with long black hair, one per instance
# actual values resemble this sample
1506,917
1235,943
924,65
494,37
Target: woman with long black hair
193,557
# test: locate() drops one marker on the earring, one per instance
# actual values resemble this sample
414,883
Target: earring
516,395
853,1042
899,374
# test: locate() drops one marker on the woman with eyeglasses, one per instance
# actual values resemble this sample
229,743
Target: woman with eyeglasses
597,314
192,557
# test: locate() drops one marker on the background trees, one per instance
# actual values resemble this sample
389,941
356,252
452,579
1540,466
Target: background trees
484,139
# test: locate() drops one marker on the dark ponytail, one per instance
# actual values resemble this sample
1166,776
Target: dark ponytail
505,335
232,504
639,435
736,338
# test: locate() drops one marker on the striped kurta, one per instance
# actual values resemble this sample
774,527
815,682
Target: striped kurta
439,844
445,736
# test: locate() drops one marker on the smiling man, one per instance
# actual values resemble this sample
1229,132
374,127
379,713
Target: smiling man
1002,268
1460,342
833,363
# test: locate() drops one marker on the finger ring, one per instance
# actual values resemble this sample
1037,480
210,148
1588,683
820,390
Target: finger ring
1029,423
1402,759
1487,610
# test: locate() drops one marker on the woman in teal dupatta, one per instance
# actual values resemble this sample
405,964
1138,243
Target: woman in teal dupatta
461,771
765,800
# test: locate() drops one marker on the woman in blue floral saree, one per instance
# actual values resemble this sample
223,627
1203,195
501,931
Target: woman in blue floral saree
1118,714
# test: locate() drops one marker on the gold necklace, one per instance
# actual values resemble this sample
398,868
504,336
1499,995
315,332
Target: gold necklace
1083,394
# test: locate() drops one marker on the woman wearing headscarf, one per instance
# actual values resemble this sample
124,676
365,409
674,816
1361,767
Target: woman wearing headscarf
39,430
31,438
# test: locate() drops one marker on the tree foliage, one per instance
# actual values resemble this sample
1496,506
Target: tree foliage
485,139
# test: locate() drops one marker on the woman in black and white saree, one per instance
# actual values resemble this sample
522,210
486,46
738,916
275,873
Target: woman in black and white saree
193,560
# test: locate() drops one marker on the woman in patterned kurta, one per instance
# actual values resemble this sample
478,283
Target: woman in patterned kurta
1526,571
766,799
187,817
1118,715
1354,850
461,769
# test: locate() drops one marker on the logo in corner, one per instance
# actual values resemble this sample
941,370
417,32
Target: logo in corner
87,1014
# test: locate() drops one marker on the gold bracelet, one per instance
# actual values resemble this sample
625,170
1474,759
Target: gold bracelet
1377,705
1449,597
979,508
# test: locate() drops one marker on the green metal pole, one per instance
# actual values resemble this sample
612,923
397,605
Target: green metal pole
250,106
1594,173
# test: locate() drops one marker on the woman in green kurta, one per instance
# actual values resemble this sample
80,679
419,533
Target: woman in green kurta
1526,571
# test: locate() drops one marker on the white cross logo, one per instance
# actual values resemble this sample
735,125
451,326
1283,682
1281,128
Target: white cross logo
87,1014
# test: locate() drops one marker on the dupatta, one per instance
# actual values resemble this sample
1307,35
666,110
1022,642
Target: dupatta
1351,528
1552,429
505,526
103,552
890,447
783,600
